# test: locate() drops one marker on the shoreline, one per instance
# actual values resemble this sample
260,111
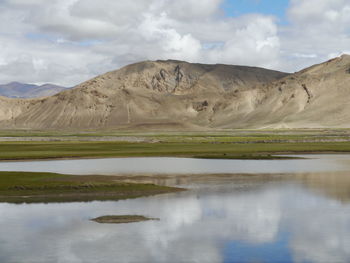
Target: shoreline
245,144
271,155
60,188
31,187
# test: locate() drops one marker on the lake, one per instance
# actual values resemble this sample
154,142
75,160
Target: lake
110,166
299,217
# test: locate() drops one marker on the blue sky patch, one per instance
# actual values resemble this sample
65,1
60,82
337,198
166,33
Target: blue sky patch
276,251
276,8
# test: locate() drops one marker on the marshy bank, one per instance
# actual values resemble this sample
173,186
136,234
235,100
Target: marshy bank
31,187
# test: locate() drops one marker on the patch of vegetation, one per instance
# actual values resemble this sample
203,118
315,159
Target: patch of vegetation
49,150
28,187
229,144
121,219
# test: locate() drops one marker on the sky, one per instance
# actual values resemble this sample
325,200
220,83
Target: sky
69,41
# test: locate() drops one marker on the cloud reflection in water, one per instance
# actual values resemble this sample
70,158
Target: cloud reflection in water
195,226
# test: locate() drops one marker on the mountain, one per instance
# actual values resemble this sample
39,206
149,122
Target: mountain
177,95
152,93
21,90
317,96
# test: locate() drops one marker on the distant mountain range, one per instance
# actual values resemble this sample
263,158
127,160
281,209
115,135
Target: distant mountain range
22,90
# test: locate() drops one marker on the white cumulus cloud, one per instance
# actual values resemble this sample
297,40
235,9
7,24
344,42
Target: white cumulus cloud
69,41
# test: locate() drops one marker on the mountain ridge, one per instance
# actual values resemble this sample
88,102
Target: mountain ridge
22,90
180,95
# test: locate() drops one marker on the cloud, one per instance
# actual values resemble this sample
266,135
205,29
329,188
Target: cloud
318,30
73,238
194,226
327,16
253,41
166,40
69,41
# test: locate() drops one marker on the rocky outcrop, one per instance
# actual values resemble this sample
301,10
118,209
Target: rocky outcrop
165,81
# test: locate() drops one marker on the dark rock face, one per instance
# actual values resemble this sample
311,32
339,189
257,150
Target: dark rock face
173,80
163,81
200,106
308,93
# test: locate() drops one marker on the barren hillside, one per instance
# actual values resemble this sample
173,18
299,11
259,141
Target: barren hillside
179,95
317,96
168,94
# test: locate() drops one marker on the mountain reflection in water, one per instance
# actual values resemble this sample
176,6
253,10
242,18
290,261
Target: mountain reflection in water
267,218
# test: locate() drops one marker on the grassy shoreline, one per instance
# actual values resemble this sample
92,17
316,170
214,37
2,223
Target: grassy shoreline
63,150
19,187
29,187
229,144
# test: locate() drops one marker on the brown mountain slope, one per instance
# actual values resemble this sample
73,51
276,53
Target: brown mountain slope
11,108
170,94
180,95
314,97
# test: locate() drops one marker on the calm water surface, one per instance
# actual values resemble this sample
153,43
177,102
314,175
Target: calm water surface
313,163
297,218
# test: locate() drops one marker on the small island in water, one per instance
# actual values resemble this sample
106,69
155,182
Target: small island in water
121,219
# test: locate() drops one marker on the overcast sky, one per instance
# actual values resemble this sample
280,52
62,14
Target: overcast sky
69,41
